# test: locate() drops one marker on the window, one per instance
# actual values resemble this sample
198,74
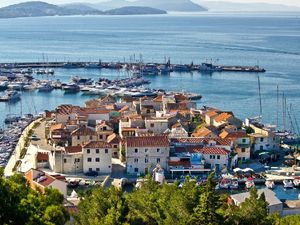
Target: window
158,150
77,160
146,150
106,151
104,128
115,146
218,156
146,160
97,151
243,150
148,111
261,147
97,159
244,159
97,169
88,151
89,159
244,140
151,124
136,160
109,167
78,137
90,169
136,170
158,160
136,150
91,137
261,139
65,160
101,136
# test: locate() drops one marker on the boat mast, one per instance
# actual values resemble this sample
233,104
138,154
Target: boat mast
283,112
260,103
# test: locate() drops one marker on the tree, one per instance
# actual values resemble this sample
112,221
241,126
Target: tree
20,203
206,212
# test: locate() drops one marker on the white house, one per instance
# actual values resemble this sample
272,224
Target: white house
216,157
145,152
156,125
97,156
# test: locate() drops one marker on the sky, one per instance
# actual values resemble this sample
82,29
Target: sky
283,2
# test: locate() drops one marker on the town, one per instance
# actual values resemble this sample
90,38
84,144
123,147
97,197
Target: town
117,142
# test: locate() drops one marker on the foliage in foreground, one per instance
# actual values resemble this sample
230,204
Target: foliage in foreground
170,205
19,204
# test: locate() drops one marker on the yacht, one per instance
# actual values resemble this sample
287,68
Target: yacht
209,67
150,69
270,184
93,66
288,183
181,68
45,88
3,85
71,88
16,86
10,95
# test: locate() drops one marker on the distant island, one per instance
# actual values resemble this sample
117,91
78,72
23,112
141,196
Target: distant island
134,10
166,5
40,9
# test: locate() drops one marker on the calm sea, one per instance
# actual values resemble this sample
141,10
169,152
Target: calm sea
270,40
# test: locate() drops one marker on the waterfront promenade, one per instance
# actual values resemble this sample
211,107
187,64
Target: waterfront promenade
18,154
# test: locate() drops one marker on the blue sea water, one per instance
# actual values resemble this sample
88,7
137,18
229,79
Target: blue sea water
271,40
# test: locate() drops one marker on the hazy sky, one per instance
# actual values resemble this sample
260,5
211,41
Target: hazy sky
284,2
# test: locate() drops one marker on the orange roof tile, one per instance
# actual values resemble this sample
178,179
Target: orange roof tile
223,117
83,131
57,127
73,149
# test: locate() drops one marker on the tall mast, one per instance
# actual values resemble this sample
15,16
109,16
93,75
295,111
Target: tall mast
260,103
283,111
277,108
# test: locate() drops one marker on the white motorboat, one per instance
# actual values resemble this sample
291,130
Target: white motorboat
296,181
288,183
270,184
249,183
10,95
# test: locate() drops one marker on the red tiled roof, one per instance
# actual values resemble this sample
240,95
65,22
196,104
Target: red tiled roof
67,109
148,141
97,144
211,113
47,181
42,156
213,151
73,149
83,131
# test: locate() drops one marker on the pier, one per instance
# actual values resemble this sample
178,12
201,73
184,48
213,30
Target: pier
166,67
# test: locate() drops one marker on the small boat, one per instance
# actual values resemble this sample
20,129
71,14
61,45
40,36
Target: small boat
234,184
82,81
209,67
249,183
164,69
270,184
70,65
16,86
288,183
296,181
